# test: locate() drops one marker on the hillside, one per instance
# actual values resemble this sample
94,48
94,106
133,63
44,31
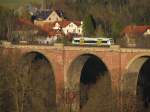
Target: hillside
16,3
109,16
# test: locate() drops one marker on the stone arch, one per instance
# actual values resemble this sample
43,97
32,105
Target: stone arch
79,74
133,67
82,58
50,61
41,78
130,82
135,58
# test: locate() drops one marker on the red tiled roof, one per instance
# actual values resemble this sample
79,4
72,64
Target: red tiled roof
48,25
78,23
133,29
22,21
65,22
29,23
55,32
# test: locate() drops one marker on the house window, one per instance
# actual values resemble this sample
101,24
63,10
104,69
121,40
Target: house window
71,25
49,18
67,31
74,30
79,31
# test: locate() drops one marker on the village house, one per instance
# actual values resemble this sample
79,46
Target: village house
47,16
69,27
132,35
49,33
64,28
56,25
47,26
147,32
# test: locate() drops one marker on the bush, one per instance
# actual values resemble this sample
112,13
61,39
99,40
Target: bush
63,40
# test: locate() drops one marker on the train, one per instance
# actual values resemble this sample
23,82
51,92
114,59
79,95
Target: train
97,41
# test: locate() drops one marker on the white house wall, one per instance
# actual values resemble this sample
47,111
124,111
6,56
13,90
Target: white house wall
57,26
53,17
72,28
147,32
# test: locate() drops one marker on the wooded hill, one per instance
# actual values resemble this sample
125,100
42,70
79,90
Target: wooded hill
110,15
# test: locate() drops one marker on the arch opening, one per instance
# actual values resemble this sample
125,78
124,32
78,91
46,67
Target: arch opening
136,85
143,86
89,75
37,83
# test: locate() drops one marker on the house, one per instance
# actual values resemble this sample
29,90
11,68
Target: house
69,27
147,32
52,31
56,25
48,16
131,34
55,16
64,28
74,27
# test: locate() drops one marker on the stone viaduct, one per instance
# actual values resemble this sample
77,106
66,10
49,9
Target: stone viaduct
123,65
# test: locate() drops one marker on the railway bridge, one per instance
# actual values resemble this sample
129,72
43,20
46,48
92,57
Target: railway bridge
70,64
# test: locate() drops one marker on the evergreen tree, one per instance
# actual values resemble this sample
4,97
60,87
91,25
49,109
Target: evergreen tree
88,26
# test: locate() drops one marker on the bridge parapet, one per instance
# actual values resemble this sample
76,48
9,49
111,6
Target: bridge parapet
59,46
134,50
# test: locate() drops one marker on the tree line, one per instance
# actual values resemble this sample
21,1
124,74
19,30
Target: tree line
110,16
26,86
7,22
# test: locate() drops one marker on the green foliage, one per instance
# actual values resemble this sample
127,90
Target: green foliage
113,15
15,38
7,22
63,40
100,96
99,31
88,26
17,3
17,81
22,12
116,29
7,102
